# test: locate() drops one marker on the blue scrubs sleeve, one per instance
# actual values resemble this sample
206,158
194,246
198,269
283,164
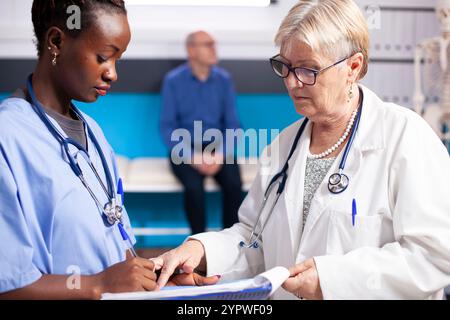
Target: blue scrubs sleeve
17,269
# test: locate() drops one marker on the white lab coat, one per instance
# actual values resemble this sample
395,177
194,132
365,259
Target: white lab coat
399,247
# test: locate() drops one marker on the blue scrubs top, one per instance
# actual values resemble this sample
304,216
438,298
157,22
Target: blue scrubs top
49,223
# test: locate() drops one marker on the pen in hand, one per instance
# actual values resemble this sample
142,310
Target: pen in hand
127,239
122,230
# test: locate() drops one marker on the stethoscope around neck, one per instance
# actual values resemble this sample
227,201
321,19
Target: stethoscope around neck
112,210
337,182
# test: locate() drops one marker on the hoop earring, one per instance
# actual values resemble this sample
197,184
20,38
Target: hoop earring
54,59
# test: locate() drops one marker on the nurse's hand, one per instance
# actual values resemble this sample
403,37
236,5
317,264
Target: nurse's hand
189,256
304,281
133,274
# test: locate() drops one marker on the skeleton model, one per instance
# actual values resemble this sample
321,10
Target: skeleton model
432,76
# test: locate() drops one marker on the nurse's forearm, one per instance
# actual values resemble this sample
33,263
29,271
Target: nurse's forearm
57,287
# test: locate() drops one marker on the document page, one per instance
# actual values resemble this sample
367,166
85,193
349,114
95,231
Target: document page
267,283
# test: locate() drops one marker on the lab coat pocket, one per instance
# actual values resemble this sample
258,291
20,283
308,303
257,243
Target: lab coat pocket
343,236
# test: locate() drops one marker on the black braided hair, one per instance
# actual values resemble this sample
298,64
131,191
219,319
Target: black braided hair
49,13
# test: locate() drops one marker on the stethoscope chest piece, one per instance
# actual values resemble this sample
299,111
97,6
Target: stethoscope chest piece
113,213
338,182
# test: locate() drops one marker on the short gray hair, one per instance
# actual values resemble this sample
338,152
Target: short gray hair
336,28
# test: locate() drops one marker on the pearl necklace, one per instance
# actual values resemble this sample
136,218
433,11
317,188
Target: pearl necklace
339,142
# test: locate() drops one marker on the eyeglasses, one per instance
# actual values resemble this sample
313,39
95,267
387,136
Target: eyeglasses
306,76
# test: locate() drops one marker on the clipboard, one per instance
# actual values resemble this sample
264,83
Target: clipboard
260,287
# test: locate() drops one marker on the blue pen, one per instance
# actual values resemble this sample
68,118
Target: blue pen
353,212
123,233
120,192
126,238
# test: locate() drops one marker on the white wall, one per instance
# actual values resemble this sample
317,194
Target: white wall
247,33
241,32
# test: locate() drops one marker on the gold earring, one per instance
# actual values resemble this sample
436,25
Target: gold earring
54,59
350,93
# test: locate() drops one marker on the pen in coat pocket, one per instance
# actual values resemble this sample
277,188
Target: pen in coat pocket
353,212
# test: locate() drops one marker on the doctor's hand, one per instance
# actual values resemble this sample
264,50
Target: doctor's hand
304,281
189,256
133,274
192,279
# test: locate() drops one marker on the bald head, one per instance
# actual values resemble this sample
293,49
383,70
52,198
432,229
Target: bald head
195,36
201,48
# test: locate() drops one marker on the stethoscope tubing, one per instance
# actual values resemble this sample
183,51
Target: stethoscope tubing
283,175
64,142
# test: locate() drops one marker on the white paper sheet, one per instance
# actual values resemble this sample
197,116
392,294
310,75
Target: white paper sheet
275,276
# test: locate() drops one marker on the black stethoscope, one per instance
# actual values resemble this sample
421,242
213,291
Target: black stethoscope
112,210
337,182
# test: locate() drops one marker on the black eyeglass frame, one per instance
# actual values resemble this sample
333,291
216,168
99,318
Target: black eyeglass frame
292,69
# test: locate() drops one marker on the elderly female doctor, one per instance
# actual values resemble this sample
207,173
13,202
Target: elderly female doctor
387,235
59,241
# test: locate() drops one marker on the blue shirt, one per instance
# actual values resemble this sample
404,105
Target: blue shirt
49,223
186,99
